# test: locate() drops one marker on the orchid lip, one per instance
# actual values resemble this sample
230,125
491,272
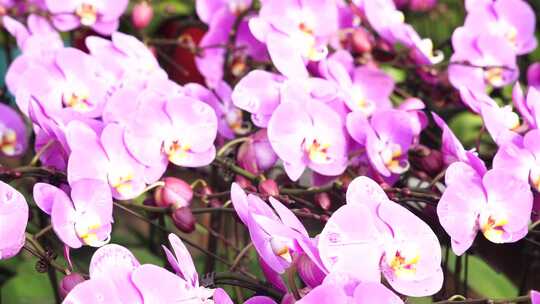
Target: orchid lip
8,142
87,14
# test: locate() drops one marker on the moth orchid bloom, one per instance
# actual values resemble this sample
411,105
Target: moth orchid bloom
220,16
314,138
295,32
389,22
387,137
158,285
230,120
497,203
181,130
521,159
100,15
77,83
106,158
502,123
533,75
477,64
110,280
38,42
513,20
277,238
207,10
453,151
340,288
366,89
126,58
84,217
527,106
535,297
391,240
13,220
259,94
13,138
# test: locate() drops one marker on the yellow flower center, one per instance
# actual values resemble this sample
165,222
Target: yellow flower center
87,14
281,249
86,228
492,226
77,99
392,158
177,151
404,263
120,179
8,142
317,151
494,76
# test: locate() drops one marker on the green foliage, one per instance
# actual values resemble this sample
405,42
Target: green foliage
466,126
28,286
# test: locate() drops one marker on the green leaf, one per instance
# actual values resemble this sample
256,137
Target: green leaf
466,126
28,286
397,74
484,280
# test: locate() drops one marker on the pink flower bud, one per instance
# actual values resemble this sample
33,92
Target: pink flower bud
323,200
257,155
176,193
183,219
69,282
362,41
142,14
269,187
427,160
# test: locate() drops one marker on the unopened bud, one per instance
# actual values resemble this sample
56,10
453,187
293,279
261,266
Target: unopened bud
183,219
176,193
269,187
323,200
142,14
427,160
257,155
310,273
362,41
69,282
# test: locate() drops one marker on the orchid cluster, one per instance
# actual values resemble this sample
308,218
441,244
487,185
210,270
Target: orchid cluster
311,147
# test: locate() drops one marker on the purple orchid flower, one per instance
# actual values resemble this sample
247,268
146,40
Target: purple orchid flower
259,94
314,139
391,240
527,106
513,20
343,289
13,219
453,151
496,203
277,238
533,75
38,42
230,120
76,83
182,130
106,158
389,22
521,159
101,15
476,63
535,297
127,58
13,137
110,280
220,16
387,137
82,218
501,123
366,89
295,32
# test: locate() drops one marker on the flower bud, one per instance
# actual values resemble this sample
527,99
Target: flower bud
176,193
362,41
183,219
323,200
427,160
142,14
269,187
69,282
256,154
533,75
309,272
